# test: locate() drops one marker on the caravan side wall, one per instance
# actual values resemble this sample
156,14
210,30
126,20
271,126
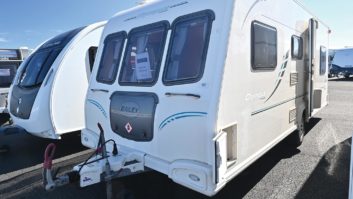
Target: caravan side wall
70,84
260,107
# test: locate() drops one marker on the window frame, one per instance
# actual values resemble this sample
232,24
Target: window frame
320,66
252,57
185,18
301,47
108,39
165,24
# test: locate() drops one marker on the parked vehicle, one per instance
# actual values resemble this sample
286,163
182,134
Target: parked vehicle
342,63
48,94
199,90
10,60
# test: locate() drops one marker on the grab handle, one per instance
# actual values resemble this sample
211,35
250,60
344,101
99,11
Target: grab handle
183,94
99,90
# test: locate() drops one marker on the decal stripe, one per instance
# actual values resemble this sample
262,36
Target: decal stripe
180,116
99,106
247,14
275,105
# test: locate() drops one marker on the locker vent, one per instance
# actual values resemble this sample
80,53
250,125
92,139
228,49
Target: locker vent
292,115
293,79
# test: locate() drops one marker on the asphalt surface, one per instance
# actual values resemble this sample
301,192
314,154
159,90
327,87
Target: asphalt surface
319,168
27,150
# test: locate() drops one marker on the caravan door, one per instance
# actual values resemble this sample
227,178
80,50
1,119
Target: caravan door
310,66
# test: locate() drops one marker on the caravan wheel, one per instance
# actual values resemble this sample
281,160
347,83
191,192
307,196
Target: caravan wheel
297,136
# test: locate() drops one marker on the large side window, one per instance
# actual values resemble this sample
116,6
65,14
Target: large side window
297,47
143,55
323,52
108,67
188,48
263,46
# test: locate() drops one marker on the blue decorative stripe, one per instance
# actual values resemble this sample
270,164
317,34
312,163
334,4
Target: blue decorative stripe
99,106
180,116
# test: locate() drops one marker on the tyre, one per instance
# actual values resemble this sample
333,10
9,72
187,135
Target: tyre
297,136
346,75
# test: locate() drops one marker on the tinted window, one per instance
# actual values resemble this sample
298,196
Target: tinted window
297,47
143,55
322,60
264,46
188,48
41,61
111,56
38,67
62,39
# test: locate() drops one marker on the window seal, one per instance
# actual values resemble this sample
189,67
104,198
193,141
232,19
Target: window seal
109,38
204,13
262,69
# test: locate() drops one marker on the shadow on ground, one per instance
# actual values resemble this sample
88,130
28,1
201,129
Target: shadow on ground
331,176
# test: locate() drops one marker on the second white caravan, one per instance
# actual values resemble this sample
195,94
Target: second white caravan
48,93
198,90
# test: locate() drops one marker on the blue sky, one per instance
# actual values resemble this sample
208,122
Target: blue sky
30,22
339,16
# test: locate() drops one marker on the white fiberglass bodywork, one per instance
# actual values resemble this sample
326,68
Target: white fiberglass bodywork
202,127
58,104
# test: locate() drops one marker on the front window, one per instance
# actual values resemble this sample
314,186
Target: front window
113,46
41,61
143,55
188,49
38,67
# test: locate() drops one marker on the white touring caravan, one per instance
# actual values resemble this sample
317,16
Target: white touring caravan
10,60
198,90
48,93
